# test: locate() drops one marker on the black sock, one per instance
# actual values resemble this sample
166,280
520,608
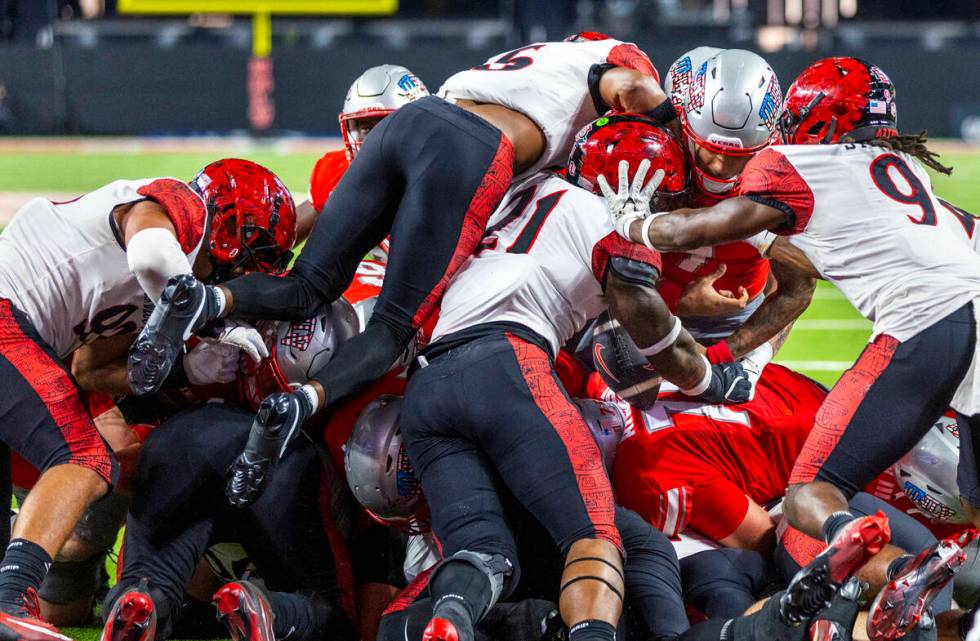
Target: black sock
24,566
462,582
592,630
834,523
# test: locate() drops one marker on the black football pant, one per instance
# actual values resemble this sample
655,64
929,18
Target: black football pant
430,175
179,509
724,583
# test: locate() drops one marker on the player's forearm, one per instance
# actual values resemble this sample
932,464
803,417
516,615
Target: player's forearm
306,216
686,229
101,366
772,321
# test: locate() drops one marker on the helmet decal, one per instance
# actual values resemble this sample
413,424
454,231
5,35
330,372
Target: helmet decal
771,103
300,334
695,99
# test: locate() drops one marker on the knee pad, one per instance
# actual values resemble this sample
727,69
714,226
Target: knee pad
495,567
100,523
70,581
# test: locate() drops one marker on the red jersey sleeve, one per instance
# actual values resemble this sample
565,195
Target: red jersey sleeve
630,56
646,261
184,207
770,179
326,174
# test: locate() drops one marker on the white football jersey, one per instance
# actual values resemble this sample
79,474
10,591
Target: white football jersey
64,265
549,83
542,263
867,219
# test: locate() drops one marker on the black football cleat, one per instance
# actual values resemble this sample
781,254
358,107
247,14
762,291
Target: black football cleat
245,610
132,618
24,623
903,604
814,586
450,622
185,306
836,623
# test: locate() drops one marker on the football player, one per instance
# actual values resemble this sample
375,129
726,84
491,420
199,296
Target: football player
727,102
374,95
854,202
75,271
490,124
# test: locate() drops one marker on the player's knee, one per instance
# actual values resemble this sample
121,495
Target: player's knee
498,570
594,563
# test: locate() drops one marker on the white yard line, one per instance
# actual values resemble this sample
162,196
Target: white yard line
815,366
851,324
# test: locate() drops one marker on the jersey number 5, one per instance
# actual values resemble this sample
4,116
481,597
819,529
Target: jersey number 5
510,61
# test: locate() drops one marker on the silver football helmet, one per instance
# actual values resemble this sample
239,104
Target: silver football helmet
677,82
297,350
378,470
927,474
730,107
376,93
606,422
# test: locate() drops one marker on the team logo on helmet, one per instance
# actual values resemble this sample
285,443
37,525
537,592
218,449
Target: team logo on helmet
771,103
696,98
927,503
300,334
681,78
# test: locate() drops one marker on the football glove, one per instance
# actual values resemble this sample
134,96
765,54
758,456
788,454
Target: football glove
632,201
185,307
275,426
729,384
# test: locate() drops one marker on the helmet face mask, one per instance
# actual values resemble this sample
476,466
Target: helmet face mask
374,95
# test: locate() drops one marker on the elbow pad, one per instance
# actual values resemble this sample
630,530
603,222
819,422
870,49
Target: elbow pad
154,256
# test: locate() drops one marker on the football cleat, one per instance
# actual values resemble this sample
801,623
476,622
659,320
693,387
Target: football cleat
814,586
133,617
440,629
24,623
450,622
836,622
903,604
185,306
245,610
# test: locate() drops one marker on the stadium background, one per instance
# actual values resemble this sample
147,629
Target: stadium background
90,93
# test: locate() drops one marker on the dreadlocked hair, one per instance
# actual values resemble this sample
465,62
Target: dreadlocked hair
913,145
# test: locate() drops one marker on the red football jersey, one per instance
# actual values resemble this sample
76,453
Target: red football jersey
326,174
688,463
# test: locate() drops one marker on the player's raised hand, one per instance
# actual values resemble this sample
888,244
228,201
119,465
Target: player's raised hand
631,201
275,426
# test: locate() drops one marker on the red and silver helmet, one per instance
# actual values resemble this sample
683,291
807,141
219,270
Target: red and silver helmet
378,470
835,97
600,146
297,350
927,474
253,217
376,93
606,422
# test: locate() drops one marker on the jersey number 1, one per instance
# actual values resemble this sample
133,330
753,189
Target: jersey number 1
529,232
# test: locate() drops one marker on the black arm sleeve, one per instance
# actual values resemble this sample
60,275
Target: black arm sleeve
595,75
363,359
633,271
261,296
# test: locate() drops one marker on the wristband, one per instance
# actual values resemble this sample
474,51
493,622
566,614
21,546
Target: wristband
664,342
311,396
720,353
663,113
645,229
705,382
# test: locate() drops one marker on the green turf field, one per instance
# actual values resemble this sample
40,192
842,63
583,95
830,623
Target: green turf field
823,343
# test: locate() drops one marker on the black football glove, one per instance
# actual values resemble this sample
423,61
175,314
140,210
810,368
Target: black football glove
729,384
186,306
277,423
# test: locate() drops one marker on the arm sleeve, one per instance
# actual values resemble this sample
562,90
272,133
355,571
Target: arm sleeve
770,179
633,263
185,208
626,55
154,256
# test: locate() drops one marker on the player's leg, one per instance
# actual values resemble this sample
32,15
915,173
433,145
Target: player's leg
544,452
654,605
480,554
284,534
723,583
455,180
43,419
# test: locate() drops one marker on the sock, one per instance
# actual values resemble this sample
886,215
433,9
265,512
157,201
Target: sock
834,523
461,582
897,565
592,630
24,566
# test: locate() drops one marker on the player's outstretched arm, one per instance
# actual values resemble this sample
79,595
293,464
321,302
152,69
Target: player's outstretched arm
667,345
686,229
631,91
152,249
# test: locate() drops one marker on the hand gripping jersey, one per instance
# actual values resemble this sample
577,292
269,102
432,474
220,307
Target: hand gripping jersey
688,463
542,263
868,221
64,264
326,174
555,84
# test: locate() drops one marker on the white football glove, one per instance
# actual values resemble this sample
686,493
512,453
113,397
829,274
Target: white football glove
209,363
632,201
245,337
754,362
